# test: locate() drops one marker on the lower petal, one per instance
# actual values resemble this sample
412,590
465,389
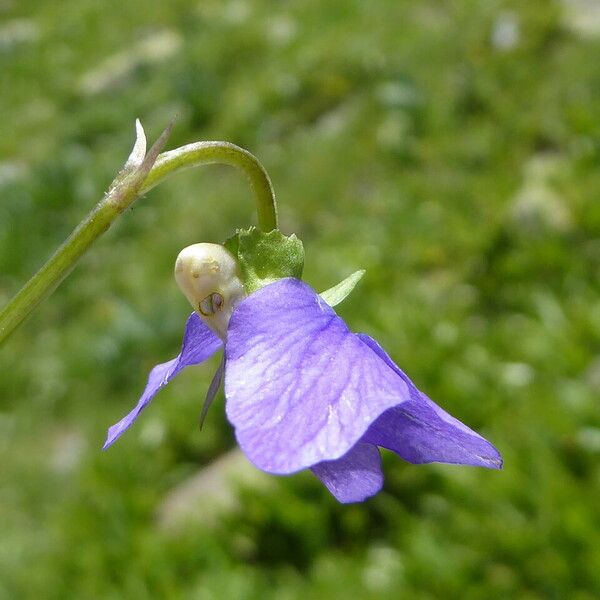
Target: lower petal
355,476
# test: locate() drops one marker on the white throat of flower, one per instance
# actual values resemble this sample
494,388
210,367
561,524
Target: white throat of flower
208,275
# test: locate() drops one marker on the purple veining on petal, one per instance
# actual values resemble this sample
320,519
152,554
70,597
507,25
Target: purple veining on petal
199,344
300,387
355,476
421,432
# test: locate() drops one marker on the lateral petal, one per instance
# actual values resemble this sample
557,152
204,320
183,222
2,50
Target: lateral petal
199,344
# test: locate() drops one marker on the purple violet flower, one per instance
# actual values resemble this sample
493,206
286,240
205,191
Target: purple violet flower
304,392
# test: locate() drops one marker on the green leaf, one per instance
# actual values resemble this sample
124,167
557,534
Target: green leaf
266,257
337,293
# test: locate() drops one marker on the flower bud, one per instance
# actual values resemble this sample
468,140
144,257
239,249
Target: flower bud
208,276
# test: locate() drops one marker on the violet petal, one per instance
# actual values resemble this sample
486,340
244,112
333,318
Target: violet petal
421,432
354,477
199,344
300,387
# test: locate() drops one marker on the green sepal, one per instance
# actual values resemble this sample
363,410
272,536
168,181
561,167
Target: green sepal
266,257
339,292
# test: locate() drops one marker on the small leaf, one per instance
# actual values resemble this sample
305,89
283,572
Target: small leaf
139,148
266,257
339,292
126,184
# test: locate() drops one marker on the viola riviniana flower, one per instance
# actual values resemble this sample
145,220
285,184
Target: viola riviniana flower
302,391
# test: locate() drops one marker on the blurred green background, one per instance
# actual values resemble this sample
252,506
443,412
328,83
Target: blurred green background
450,148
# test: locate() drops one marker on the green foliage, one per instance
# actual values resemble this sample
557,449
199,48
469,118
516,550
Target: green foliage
266,257
450,148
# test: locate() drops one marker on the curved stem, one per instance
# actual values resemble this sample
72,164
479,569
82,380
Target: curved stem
58,266
203,153
129,185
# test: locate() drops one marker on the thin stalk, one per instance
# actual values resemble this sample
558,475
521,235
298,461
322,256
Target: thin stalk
205,153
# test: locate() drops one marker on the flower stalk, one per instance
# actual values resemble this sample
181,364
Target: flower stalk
141,173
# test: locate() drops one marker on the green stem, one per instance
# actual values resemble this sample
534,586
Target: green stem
58,266
203,153
126,188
